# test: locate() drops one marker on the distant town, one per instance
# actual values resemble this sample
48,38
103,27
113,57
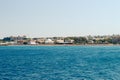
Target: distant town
81,40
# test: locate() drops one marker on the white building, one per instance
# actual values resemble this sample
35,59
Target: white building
49,41
32,42
60,41
41,41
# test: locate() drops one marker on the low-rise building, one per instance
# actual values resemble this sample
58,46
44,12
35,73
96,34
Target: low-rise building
61,41
68,41
40,40
49,41
32,42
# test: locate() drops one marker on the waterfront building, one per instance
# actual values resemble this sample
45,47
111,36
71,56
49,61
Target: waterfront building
49,41
40,40
61,41
32,42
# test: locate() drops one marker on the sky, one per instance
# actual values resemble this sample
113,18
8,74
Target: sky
43,18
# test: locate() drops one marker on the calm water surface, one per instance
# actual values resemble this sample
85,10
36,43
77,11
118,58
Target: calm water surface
59,62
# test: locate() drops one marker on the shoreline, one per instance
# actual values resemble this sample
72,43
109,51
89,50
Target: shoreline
67,45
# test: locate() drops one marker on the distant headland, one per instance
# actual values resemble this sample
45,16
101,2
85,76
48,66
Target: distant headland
79,40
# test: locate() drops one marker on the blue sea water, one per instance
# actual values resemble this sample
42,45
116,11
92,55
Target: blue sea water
59,62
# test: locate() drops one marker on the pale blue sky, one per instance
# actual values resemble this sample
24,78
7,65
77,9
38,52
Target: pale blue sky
37,18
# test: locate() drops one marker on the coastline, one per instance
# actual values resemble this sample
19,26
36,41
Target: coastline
67,45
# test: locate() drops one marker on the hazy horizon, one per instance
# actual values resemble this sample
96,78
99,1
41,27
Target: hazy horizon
43,18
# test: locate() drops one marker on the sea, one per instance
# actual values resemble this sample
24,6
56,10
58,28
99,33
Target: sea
59,62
